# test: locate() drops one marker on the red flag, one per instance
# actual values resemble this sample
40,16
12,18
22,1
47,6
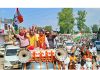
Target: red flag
19,16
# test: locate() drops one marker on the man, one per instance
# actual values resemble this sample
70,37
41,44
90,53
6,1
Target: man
42,40
83,49
93,50
88,53
36,32
33,40
73,60
88,59
50,38
66,62
24,42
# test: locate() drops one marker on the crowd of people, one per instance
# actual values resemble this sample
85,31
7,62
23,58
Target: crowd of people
84,55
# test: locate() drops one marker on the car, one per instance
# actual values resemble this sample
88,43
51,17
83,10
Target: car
93,40
11,59
68,45
2,48
97,44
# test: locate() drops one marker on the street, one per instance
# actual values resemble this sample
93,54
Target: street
1,63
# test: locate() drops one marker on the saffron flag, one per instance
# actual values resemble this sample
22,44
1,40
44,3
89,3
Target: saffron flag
18,18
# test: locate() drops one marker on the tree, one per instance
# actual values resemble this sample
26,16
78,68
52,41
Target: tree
48,28
87,29
39,28
98,34
61,30
99,31
95,28
81,20
66,20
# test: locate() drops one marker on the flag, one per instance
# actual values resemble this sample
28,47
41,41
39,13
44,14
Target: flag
18,18
15,23
77,39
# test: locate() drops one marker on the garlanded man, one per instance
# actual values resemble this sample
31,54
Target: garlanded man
42,40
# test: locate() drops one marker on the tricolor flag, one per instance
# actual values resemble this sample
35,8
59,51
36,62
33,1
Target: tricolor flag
18,18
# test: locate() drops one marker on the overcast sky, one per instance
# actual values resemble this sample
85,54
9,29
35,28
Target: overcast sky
48,16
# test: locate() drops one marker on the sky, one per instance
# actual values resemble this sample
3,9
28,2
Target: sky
48,16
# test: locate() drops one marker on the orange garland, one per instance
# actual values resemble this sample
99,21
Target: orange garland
42,41
47,56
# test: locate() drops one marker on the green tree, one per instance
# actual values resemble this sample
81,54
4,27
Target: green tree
87,29
61,30
95,28
81,20
98,34
66,20
99,31
39,28
48,28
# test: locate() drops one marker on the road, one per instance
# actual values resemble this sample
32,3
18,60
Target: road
1,63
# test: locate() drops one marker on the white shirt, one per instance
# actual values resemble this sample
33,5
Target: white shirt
24,42
46,41
67,60
93,50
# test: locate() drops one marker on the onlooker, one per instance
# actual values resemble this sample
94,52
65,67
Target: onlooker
50,38
73,58
73,61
